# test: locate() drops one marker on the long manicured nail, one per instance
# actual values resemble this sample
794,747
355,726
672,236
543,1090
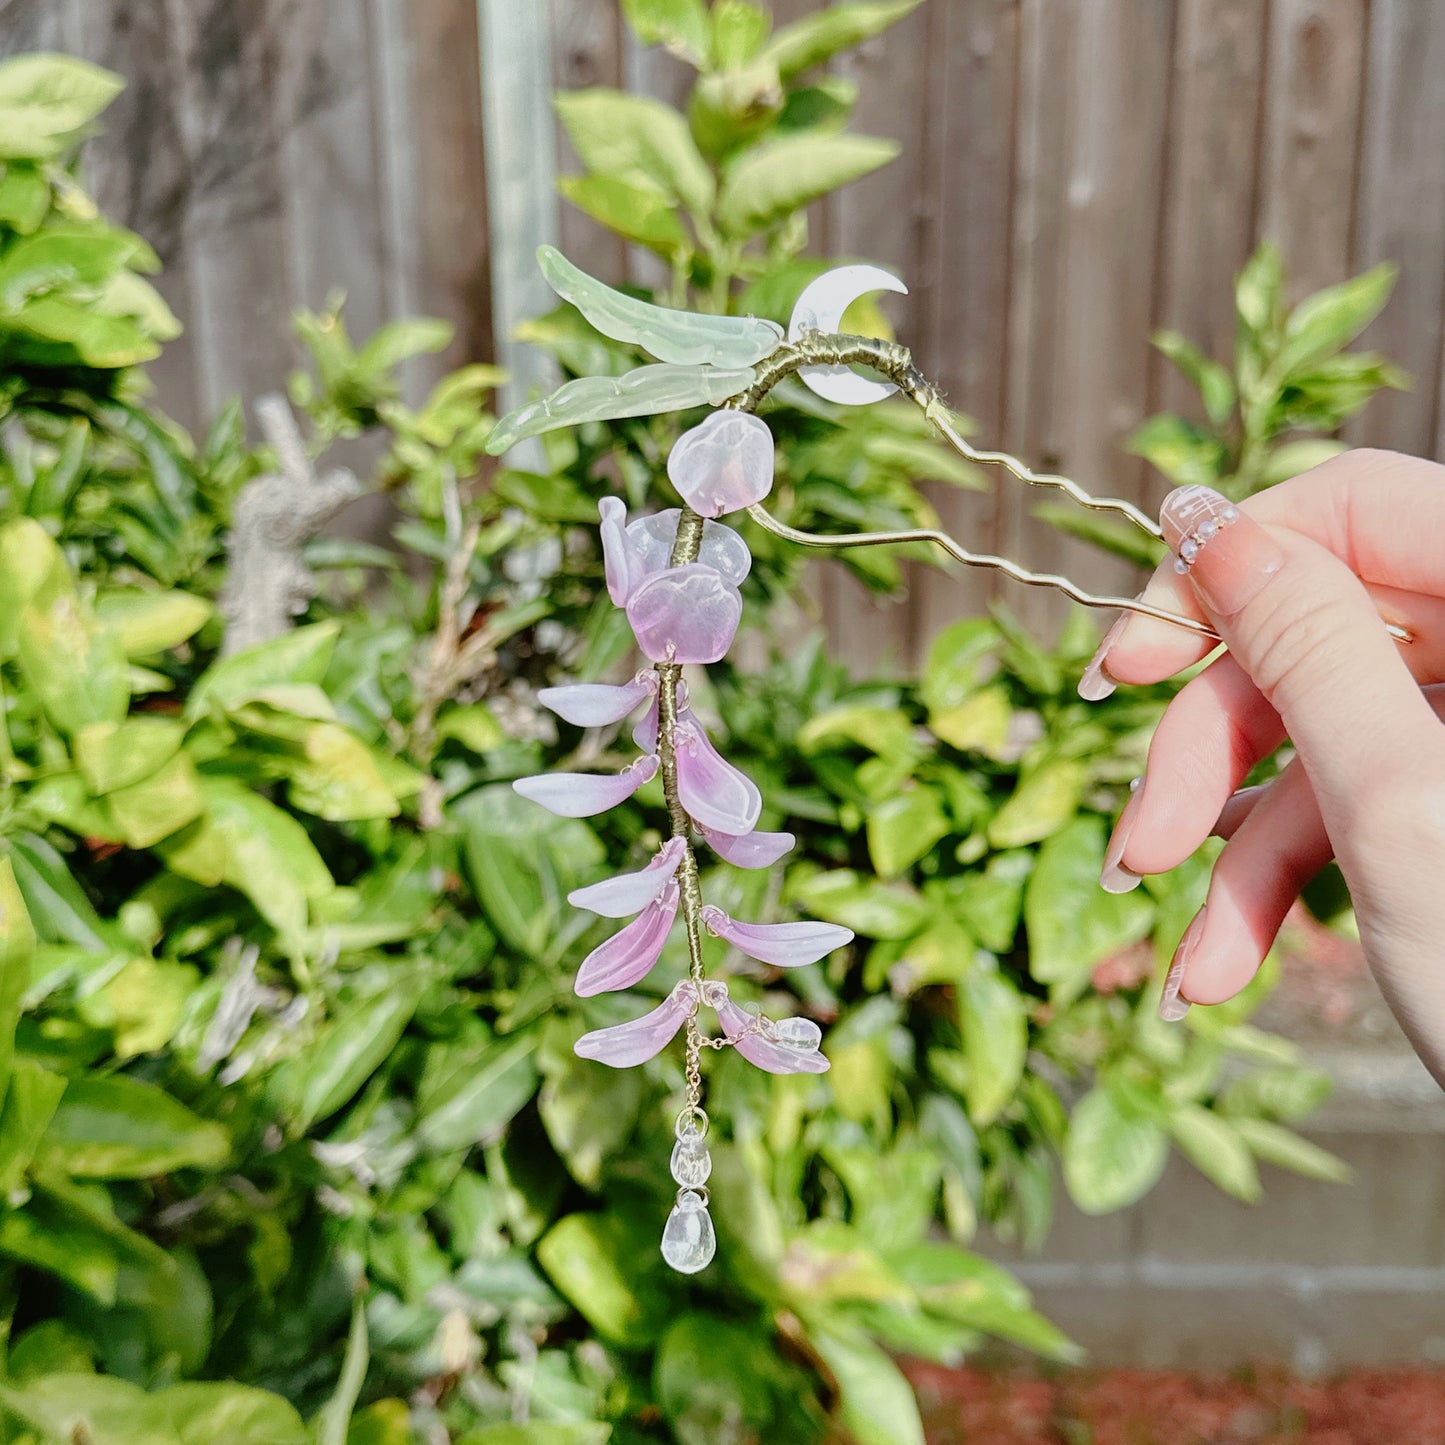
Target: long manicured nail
1115,877
1096,684
1228,576
1172,1007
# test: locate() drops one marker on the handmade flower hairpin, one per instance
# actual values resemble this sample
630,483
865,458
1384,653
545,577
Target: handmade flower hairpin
677,576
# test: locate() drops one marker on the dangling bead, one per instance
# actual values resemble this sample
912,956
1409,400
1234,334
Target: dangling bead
691,1163
688,1240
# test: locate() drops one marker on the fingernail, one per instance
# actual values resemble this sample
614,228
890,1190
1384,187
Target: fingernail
1227,574
1096,684
1115,877
1172,1007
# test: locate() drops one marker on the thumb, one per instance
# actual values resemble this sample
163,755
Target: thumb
1300,622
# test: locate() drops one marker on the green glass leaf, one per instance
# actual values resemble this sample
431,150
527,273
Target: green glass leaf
122,1128
684,338
1112,1154
647,391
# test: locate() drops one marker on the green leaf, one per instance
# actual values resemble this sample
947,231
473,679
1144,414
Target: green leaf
398,341
59,259
17,950
28,556
301,656
24,196
1072,923
1277,1145
77,667
647,391
473,726
121,1128
876,1404
56,903
158,806
1258,289
523,862
146,1000
587,1125
981,724
46,101
1112,1154
1321,324
355,1044
637,139
635,213
30,1102
870,908
1214,383
540,1432
680,25
335,776
547,496
993,1019
1282,1093
1217,1150
957,662
115,755
768,183
605,1265
905,828
103,1410
1186,454
738,32
1293,458
255,847
151,622
819,37
1109,534
332,1425
1046,799
479,1095
681,337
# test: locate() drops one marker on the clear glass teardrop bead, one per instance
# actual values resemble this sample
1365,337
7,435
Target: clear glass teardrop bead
688,1240
691,1163
798,1033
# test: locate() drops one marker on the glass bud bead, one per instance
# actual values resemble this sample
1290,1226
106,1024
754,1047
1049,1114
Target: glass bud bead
798,1033
688,1240
691,1163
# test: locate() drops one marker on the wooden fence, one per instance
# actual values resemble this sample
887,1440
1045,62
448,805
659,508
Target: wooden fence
1075,174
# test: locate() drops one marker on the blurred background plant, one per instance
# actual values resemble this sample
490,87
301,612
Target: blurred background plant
291,1126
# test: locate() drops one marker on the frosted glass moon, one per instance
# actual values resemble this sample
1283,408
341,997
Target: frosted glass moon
821,308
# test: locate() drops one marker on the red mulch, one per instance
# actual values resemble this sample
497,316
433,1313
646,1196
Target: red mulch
1163,1407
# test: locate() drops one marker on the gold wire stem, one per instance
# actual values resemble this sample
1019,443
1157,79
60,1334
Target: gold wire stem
815,348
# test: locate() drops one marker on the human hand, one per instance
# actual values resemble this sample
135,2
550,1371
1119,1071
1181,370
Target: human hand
1296,581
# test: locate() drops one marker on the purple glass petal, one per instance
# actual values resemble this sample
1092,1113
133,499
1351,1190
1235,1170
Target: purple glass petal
580,795
712,791
784,945
722,549
685,614
620,560
723,465
645,733
630,893
625,1045
774,1055
594,704
629,955
750,850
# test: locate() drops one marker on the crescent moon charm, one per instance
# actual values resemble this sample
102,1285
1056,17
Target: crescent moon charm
821,308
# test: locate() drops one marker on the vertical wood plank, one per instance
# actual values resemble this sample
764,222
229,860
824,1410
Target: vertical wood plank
1312,128
960,329
225,68
586,52
1401,211
447,183
328,160
1212,174
1094,109
30,25
882,218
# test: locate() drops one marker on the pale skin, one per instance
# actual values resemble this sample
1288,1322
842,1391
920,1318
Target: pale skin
1297,587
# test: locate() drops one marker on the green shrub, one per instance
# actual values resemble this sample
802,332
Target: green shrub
291,1127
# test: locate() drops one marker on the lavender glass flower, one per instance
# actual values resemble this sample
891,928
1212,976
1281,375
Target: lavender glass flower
677,577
